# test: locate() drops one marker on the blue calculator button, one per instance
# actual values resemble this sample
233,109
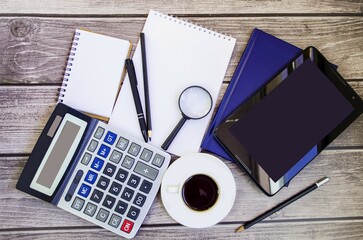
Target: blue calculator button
97,164
91,177
103,151
84,190
110,138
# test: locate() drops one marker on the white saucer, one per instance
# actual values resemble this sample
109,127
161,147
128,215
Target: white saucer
181,170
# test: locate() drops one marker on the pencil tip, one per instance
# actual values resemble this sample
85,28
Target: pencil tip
240,229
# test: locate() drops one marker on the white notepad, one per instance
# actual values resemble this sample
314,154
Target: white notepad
179,54
93,73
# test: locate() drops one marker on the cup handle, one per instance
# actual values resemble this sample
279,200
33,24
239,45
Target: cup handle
174,189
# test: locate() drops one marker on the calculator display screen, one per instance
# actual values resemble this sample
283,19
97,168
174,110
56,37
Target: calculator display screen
58,155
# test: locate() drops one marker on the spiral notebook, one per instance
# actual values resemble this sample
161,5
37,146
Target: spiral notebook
179,54
93,74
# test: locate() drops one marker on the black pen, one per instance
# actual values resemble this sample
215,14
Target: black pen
283,204
135,93
146,85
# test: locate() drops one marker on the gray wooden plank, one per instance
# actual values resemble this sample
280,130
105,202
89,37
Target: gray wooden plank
179,7
340,197
317,230
35,49
24,111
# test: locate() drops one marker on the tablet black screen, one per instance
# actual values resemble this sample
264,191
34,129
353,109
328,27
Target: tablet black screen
294,117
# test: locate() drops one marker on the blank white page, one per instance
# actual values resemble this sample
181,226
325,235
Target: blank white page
95,72
179,55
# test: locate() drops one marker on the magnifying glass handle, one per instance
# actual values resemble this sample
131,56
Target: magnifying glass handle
173,134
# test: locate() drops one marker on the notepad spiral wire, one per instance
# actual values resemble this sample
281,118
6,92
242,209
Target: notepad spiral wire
192,25
68,68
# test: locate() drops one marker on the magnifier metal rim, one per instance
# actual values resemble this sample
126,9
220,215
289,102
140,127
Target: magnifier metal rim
211,102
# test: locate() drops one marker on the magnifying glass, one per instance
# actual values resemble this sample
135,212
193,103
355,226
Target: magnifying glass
195,102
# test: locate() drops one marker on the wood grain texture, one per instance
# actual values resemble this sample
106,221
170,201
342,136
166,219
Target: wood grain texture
210,7
34,50
340,197
317,230
35,37
26,109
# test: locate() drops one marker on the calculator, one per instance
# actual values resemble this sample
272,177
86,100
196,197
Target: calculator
87,168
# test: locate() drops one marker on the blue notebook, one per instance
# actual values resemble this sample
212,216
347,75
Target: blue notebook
263,57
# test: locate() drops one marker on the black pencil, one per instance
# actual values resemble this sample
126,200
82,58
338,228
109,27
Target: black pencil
283,204
146,85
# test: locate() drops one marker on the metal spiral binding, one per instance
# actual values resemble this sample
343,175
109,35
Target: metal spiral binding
68,68
193,26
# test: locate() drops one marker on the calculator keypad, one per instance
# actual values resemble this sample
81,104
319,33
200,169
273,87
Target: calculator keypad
127,226
134,149
109,202
146,170
121,207
92,146
127,194
158,160
103,183
133,181
84,190
99,132
114,221
90,209
139,200
122,175
86,158
78,203
102,215
116,181
133,213
115,188
128,162
110,138
103,151
90,177
146,154
97,164
109,169
116,156
96,196
122,143
146,186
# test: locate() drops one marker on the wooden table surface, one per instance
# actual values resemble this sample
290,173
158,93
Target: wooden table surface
35,37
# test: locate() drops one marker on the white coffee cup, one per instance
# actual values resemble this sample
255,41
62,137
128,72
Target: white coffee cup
198,190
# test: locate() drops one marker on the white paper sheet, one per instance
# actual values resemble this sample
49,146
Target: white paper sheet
179,55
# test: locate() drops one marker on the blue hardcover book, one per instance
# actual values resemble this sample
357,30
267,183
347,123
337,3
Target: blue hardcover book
263,57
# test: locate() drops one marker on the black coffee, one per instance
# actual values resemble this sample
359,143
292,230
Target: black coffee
200,192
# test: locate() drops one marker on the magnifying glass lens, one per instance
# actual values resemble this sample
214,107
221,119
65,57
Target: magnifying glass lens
195,102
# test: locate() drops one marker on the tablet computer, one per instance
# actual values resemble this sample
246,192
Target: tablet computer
289,121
